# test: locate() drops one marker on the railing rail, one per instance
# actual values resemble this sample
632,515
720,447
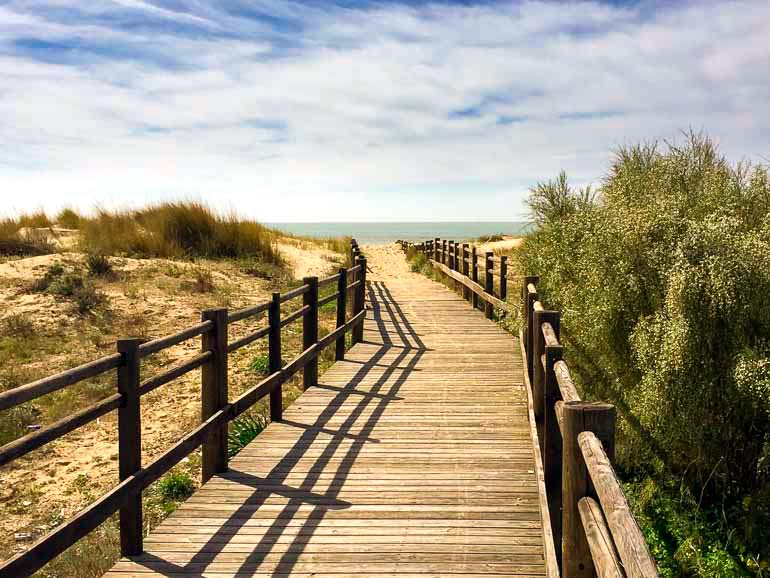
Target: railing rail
217,410
594,532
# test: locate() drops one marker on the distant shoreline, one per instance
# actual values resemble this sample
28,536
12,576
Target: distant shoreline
384,233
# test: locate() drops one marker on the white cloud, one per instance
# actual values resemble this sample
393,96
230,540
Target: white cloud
340,111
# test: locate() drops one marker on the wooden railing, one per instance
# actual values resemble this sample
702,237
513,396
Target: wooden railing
217,409
589,523
483,277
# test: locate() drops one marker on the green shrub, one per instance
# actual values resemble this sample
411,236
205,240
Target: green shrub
260,364
86,298
66,285
176,486
244,429
98,265
663,280
40,285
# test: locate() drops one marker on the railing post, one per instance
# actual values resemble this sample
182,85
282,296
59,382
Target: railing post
489,283
274,355
538,349
474,276
310,330
342,307
451,254
359,298
436,242
214,393
503,277
465,259
130,444
578,417
552,444
456,262
443,251
528,300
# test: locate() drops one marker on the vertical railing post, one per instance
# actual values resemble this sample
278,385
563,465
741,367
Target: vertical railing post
474,276
465,258
274,355
552,444
578,417
456,261
436,246
359,301
528,300
489,283
443,251
342,307
538,372
214,392
310,331
130,444
503,277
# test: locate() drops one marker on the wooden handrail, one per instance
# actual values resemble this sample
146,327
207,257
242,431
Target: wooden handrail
217,411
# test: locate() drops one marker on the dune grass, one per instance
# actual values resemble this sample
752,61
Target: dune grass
21,236
177,230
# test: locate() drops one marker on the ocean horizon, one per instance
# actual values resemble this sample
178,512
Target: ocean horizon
384,233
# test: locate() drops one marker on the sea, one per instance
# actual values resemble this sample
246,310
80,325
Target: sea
385,233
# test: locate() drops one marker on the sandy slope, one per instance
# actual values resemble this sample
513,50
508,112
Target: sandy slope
147,298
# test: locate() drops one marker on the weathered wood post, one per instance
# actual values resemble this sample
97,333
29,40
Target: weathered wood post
528,300
474,276
436,247
342,307
489,283
130,444
538,349
503,277
465,259
579,416
359,299
458,264
443,251
451,256
552,444
274,355
214,392
310,330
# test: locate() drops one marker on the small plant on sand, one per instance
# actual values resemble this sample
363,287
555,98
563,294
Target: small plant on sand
42,284
176,486
203,282
98,265
260,364
87,298
17,325
244,429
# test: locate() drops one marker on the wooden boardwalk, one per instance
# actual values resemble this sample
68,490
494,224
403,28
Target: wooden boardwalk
411,457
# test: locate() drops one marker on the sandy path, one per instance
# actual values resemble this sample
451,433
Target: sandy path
386,263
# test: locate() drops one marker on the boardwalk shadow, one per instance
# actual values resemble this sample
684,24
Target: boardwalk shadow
389,331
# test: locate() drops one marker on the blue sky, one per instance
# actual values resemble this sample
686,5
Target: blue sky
351,110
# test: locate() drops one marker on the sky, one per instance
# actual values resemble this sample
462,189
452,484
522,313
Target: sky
361,111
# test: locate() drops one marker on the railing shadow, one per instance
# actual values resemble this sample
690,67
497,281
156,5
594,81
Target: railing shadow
392,328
